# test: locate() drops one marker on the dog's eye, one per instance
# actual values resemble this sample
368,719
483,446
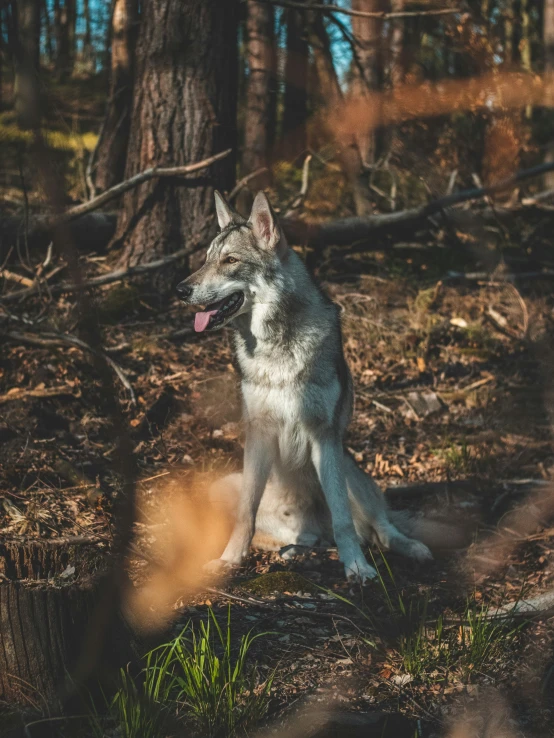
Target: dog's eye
231,260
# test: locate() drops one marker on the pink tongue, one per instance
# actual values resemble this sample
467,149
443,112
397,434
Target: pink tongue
201,320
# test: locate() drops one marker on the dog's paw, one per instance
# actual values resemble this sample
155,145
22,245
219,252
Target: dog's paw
360,572
419,551
218,567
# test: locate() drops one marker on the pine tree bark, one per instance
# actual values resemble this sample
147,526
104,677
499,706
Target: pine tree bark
398,53
42,623
548,38
47,32
2,52
368,70
295,113
88,51
27,60
111,151
65,14
184,110
258,126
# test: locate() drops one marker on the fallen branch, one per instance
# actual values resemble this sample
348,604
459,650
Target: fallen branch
18,393
539,197
46,223
347,231
116,276
61,339
492,280
298,200
13,277
382,15
541,606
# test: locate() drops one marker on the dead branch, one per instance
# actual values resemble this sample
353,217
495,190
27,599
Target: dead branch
491,280
18,393
116,276
244,181
12,277
298,200
51,221
347,231
538,198
382,15
61,339
541,606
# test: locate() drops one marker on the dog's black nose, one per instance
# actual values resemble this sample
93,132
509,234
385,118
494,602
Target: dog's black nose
184,290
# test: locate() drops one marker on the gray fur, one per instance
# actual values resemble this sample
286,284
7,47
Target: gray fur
298,485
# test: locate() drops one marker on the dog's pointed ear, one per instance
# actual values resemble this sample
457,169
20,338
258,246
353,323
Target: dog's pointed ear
225,213
265,225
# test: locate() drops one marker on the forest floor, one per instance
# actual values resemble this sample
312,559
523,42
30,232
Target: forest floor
452,418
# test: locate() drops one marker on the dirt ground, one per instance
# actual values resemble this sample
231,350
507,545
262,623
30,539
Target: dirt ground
452,418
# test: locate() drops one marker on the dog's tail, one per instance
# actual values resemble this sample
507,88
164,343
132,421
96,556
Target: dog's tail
438,535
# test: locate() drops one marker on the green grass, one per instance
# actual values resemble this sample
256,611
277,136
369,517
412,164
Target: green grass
196,683
221,695
446,647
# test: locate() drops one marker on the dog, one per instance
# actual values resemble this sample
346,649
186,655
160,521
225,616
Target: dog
299,487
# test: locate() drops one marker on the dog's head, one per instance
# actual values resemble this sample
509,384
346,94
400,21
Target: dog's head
241,264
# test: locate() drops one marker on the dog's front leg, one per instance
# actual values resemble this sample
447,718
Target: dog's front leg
259,455
328,459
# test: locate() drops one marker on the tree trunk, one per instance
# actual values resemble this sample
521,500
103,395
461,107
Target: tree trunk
509,34
330,90
88,51
525,46
2,52
398,53
184,110
260,45
111,151
368,65
42,622
294,135
65,17
27,59
397,69
548,38
47,32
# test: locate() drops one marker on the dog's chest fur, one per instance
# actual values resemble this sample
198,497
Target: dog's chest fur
291,385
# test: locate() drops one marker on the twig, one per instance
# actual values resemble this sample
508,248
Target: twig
299,199
18,393
129,184
359,13
540,606
539,197
60,339
288,608
116,276
451,182
244,181
13,277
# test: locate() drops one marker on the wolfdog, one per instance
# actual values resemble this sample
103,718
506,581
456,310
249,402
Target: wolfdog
299,487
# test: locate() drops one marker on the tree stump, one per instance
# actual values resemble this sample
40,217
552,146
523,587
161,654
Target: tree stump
44,611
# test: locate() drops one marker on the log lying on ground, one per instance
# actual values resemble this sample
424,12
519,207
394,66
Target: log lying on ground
348,231
353,232
89,232
98,226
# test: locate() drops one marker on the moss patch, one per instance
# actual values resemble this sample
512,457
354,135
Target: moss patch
279,581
